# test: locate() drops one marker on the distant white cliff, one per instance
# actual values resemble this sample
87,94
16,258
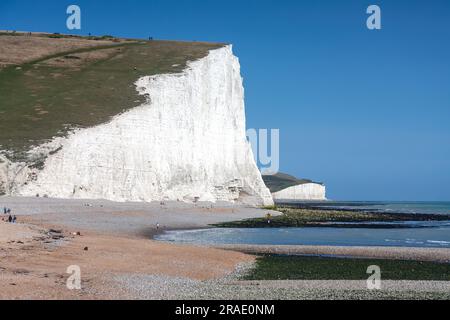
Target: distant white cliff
187,143
307,191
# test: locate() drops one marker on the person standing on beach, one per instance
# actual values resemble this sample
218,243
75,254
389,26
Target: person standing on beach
268,217
10,219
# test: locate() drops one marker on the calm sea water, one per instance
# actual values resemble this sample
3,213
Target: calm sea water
434,234
390,207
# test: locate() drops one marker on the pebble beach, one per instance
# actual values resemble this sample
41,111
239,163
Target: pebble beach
112,243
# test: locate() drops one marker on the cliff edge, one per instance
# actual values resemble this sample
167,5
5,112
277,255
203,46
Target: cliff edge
185,142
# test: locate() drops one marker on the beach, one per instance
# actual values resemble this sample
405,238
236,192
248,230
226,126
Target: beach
112,244
118,241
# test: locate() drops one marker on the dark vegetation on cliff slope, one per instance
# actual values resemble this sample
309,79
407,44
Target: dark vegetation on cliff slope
83,83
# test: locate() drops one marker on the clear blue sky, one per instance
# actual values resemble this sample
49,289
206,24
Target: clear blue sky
367,112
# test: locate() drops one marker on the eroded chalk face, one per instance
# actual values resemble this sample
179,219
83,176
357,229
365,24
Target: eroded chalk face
3,173
186,142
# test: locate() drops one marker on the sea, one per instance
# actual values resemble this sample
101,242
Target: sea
433,234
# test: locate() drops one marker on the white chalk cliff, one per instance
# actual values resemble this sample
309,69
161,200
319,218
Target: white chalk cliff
187,142
307,191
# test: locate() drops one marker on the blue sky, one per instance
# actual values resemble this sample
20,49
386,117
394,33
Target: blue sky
366,112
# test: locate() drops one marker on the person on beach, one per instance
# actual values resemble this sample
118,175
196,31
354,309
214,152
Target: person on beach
10,219
14,219
268,217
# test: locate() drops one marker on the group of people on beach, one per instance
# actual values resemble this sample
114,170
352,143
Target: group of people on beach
11,218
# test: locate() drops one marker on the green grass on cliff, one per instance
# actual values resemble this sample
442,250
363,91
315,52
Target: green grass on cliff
39,101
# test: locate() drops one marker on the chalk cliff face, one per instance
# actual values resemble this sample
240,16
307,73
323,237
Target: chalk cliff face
308,191
187,142
10,174
4,169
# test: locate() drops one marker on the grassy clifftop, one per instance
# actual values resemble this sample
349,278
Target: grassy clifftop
76,82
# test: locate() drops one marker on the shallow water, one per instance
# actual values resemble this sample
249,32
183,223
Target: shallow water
435,234
420,207
413,237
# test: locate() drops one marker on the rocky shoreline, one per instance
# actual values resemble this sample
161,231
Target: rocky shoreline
299,215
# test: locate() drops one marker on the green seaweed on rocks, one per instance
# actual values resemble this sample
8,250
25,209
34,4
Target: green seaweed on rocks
282,267
300,217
